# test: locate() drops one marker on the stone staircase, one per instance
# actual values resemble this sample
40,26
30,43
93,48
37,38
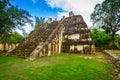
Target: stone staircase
41,46
40,34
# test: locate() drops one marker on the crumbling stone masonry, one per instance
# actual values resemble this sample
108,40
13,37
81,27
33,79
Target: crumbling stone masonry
69,35
9,47
116,61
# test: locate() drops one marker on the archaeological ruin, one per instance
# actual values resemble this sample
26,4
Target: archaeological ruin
68,35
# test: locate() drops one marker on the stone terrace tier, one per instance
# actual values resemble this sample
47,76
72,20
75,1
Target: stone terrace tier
77,36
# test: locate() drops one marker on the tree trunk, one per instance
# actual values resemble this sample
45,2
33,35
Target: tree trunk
4,42
113,40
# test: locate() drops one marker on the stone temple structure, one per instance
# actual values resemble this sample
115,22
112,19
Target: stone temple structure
69,35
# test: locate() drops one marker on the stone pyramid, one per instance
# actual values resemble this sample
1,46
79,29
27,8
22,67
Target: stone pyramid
69,35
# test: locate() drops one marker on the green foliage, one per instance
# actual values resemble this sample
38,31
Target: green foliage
107,15
39,21
59,67
117,40
10,18
15,38
100,38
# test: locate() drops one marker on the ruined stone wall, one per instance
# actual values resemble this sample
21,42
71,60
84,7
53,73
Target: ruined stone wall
116,61
9,47
77,36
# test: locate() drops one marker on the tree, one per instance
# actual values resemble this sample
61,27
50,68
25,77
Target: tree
15,38
39,21
10,18
117,41
100,38
107,15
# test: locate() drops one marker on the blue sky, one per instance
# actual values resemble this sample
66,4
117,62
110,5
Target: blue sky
38,8
57,8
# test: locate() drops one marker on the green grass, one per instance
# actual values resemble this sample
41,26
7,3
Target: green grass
59,67
117,52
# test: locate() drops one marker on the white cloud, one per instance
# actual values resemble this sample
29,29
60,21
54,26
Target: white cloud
64,4
27,27
61,14
82,7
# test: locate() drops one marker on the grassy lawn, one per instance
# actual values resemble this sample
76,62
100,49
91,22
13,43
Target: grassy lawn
59,67
117,52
